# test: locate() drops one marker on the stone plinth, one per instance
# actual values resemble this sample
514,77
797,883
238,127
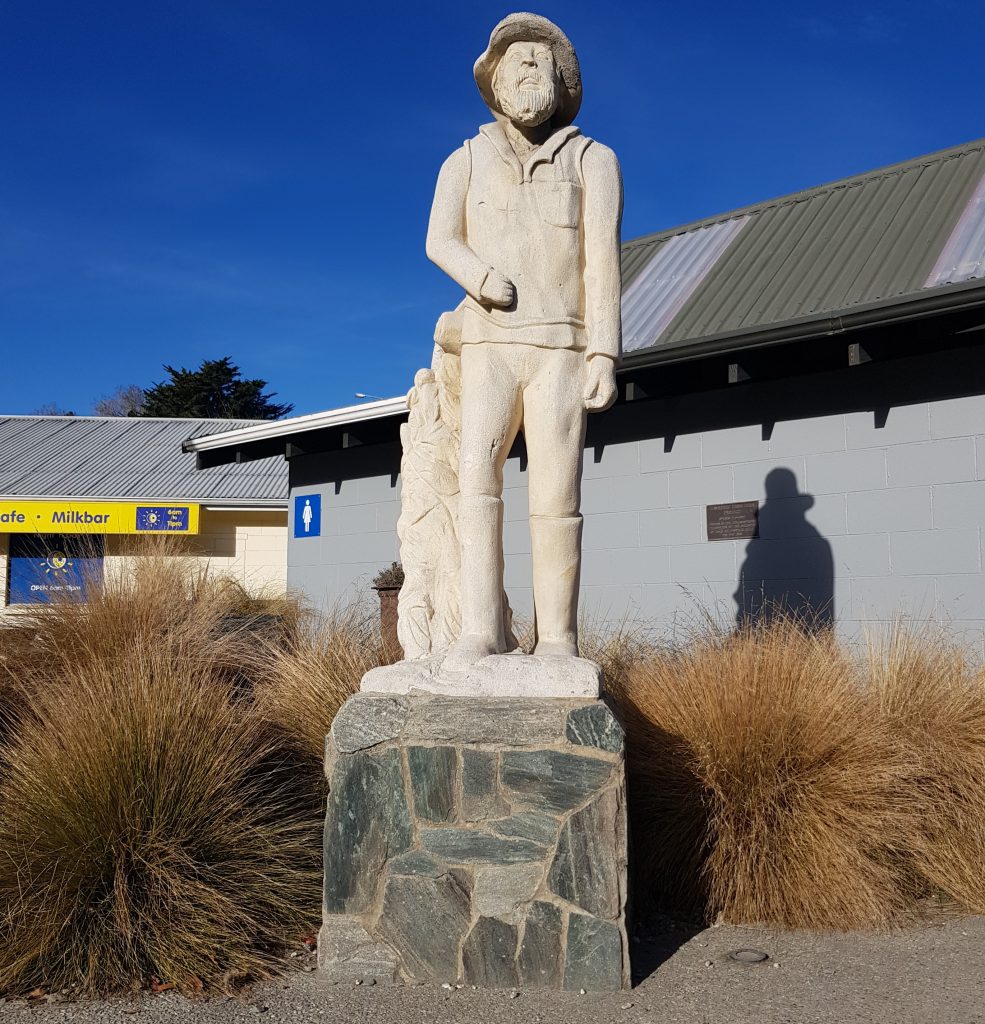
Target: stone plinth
477,841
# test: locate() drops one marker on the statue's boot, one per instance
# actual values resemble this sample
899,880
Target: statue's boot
480,530
556,549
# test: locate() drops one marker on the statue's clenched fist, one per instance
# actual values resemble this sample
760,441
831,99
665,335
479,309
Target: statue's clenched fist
498,290
600,387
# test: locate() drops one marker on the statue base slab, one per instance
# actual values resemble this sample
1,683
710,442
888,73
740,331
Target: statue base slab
497,675
473,841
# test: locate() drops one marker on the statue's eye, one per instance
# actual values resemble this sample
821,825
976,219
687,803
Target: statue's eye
544,55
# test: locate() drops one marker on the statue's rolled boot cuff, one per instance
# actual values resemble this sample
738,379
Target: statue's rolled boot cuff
556,552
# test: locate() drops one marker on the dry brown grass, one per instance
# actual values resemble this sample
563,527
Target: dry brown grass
764,785
161,787
317,670
934,703
158,597
151,821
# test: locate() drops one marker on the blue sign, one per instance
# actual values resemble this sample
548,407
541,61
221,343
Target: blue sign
48,567
307,515
160,518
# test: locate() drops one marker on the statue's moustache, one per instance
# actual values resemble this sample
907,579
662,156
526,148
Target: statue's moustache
532,80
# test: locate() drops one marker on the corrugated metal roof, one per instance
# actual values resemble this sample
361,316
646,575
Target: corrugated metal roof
871,238
128,458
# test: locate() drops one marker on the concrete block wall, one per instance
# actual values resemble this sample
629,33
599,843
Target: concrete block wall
876,514
358,529
886,515
249,546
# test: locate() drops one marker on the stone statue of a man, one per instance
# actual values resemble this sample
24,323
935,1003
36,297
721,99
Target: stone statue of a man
526,218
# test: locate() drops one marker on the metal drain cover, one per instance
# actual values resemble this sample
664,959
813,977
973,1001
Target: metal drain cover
749,956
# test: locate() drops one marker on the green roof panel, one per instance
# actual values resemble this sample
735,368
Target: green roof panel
866,239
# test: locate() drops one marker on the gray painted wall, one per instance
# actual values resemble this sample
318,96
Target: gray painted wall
895,519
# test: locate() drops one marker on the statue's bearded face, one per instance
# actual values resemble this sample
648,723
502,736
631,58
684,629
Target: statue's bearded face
526,84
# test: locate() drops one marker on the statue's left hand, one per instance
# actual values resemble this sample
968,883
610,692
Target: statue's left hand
600,388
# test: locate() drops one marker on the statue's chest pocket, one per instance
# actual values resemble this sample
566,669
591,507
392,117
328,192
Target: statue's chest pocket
558,202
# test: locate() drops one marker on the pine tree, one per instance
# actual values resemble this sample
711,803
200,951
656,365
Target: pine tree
214,391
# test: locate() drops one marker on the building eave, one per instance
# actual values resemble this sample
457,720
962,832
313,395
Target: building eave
345,416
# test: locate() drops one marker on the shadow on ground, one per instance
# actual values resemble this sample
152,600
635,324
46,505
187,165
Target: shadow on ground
655,941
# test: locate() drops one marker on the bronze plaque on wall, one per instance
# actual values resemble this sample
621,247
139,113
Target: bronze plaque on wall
734,520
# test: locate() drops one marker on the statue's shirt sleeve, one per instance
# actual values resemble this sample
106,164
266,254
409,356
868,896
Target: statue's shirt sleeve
446,241
603,276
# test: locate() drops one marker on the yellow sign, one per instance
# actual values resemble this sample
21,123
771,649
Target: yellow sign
96,517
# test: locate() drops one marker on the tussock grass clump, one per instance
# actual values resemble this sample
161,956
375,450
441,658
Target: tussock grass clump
313,674
764,788
150,820
149,828
156,597
934,703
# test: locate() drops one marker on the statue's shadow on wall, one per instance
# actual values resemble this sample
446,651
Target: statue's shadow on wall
788,570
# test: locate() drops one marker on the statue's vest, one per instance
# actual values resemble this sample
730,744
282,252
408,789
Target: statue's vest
526,222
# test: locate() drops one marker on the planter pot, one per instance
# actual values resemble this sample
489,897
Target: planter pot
388,621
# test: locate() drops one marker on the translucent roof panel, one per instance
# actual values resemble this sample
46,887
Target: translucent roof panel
671,277
963,257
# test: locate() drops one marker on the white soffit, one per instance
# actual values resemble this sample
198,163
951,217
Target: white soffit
963,257
298,424
671,277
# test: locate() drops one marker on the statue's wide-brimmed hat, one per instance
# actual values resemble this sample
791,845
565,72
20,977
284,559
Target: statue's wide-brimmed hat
524,28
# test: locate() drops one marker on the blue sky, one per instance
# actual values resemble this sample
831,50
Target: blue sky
186,180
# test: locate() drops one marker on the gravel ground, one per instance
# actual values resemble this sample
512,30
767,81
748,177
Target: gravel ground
935,972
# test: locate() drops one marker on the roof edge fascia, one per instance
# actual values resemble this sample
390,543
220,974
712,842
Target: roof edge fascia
314,421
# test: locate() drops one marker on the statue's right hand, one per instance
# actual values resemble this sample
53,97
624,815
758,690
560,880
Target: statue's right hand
498,290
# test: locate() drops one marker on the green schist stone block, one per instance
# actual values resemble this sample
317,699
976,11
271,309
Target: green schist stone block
465,845
426,920
488,954
416,862
538,960
366,823
432,781
551,779
595,726
480,792
364,721
537,826
586,868
594,956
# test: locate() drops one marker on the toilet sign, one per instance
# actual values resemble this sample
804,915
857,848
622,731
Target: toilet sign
307,515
